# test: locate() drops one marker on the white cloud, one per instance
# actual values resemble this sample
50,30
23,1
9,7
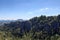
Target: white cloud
45,11
39,10
1,18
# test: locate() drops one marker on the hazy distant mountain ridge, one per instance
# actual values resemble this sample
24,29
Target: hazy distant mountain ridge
8,21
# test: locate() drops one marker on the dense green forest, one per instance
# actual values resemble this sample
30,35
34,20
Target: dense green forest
37,28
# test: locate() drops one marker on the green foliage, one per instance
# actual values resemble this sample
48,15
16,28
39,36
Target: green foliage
37,28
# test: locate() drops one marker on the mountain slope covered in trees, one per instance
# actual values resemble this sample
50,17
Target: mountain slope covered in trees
37,28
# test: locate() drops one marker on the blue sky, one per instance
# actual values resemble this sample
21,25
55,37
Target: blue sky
26,9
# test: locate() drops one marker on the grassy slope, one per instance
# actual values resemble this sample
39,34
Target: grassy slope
8,36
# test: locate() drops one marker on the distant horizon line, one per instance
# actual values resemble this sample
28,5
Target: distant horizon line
25,19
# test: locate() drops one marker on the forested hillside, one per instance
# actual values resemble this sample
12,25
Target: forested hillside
37,28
